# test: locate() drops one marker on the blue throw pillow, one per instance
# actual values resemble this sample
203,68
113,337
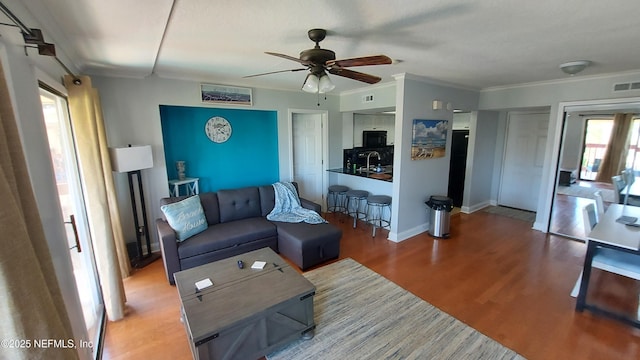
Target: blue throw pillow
185,217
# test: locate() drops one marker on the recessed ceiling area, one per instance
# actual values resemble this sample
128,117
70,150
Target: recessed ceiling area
475,44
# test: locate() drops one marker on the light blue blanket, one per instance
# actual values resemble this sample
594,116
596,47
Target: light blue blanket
288,209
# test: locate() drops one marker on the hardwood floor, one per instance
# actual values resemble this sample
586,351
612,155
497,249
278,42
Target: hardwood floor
494,273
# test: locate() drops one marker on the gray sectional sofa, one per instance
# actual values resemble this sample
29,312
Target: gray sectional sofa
237,224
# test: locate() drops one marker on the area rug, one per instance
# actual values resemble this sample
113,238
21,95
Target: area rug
524,215
586,192
361,315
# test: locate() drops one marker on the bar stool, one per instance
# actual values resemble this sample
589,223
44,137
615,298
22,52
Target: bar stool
357,205
337,193
376,205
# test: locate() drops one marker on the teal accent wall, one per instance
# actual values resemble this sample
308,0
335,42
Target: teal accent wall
249,157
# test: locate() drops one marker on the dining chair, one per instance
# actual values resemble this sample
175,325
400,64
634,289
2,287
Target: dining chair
589,218
618,185
599,203
606,259
628,177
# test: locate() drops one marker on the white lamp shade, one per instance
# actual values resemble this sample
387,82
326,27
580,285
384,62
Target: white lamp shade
325,84
310,84
131,158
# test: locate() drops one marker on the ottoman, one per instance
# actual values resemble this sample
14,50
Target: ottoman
308,244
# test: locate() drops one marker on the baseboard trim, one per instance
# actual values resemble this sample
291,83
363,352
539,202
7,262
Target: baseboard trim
398,237
539,227
476,207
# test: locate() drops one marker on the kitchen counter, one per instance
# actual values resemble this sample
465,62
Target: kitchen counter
386,175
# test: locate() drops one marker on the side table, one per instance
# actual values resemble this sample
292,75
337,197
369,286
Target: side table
190,184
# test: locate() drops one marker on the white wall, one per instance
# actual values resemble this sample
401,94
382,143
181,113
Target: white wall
416,180
479,176
131,112
384,98
550,95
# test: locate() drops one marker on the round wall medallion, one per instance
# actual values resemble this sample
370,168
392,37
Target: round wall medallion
218,129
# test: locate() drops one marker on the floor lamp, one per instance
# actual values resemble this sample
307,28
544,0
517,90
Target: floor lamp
131,160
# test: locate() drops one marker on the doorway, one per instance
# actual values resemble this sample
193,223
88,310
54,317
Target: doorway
458,166
62,150
586,133
308,152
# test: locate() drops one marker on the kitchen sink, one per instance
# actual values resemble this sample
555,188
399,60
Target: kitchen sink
388,169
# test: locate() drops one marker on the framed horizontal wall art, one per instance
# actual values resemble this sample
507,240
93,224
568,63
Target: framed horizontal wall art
429,139
223,94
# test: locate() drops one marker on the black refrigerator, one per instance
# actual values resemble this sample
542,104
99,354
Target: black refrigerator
458,164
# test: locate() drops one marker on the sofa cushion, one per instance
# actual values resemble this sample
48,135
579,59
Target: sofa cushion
209,201
185,217
267,199
225,235
239,204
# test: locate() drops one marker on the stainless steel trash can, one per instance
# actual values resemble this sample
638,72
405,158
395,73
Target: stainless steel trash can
440,214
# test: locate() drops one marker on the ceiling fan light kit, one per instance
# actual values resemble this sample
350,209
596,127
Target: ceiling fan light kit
574,67
320,61
325,84
318,83
310,84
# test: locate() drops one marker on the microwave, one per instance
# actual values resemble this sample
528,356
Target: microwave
372,139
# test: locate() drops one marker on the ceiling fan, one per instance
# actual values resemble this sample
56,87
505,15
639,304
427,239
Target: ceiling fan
320,61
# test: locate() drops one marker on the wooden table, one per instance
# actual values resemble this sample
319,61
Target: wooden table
247,313
609,233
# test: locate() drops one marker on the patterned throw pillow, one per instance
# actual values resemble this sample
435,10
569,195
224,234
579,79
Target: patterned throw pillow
185,217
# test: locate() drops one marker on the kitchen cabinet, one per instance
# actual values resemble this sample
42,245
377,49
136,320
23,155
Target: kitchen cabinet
381,122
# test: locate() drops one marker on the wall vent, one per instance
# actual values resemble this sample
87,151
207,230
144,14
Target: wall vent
621,87
367,98
627,86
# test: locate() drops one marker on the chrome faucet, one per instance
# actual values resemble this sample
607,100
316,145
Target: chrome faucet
369,157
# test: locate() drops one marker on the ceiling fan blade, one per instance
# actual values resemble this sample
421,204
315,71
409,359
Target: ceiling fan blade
355,75
275,72
287,57
361,61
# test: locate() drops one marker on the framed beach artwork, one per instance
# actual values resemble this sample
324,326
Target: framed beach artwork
223,94
429,139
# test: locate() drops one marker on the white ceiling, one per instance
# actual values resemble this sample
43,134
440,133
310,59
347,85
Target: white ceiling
477,44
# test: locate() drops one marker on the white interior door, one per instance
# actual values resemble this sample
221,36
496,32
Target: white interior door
307,155
523,160
71,200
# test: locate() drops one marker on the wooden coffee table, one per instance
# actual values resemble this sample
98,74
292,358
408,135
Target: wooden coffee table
247,313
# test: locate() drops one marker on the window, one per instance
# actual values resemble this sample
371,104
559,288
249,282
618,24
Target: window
596,138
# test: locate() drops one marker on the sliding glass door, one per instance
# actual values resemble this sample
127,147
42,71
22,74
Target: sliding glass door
71,200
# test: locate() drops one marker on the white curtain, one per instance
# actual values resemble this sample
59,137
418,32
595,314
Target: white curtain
99,190
31,304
